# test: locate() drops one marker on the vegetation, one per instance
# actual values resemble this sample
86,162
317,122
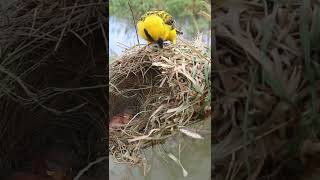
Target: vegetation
267,90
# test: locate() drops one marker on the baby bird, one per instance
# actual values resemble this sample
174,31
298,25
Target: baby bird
157,27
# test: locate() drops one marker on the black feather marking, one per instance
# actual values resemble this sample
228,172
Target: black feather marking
148,35
160,42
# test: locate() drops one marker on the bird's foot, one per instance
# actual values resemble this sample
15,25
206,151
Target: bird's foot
154,47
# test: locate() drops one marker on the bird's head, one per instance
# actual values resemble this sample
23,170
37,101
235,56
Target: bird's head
160,42
153,29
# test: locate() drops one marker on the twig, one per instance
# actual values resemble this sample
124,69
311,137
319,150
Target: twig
18,80
104,34
134,118
85,5
134,21
65,27
34,21
82,171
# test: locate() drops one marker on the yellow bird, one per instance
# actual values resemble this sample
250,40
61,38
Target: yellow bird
157,27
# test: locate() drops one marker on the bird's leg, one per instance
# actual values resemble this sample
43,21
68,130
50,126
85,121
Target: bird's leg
148,46
153,46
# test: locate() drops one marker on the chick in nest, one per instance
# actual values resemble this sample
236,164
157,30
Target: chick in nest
121,118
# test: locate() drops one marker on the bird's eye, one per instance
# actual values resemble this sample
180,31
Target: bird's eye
170,21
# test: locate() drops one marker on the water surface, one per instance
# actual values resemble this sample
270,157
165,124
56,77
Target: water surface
195,156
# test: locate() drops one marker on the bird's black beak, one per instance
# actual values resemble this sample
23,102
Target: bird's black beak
160,43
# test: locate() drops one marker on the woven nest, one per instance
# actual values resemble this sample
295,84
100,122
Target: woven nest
164,90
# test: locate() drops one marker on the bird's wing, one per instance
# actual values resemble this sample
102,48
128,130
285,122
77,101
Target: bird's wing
166,17
169,20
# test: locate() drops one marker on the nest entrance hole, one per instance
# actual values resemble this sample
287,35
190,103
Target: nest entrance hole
135,92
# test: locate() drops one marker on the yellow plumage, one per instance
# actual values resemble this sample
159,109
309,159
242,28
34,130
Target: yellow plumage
157,27
166,17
